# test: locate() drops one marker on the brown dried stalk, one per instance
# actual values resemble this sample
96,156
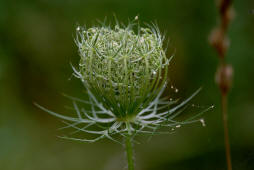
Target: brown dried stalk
220,42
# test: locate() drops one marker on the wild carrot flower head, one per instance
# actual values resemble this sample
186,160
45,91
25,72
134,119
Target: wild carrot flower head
121,68
124,73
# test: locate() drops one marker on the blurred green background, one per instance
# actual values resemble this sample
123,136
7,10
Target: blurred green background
36,48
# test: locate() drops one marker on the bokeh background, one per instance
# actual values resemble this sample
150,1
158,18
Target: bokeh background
36,48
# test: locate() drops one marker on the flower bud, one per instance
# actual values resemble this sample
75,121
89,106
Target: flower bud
122,68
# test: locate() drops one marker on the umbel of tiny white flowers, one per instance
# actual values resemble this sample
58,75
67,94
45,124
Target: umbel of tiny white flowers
124,73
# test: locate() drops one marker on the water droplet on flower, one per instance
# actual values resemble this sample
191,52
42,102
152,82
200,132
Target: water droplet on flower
203,122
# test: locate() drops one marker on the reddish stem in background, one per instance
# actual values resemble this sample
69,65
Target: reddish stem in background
224,73
226,136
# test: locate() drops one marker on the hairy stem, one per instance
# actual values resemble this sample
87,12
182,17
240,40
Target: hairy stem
226,136
129,152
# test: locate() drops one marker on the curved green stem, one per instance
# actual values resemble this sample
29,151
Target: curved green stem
129,152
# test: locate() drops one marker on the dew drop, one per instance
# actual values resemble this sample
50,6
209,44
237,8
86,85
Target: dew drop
203,122
176,90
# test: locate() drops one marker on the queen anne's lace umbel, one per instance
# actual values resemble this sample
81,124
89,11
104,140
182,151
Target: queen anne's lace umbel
124,73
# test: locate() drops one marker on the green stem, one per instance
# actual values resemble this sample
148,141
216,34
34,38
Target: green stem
129,152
